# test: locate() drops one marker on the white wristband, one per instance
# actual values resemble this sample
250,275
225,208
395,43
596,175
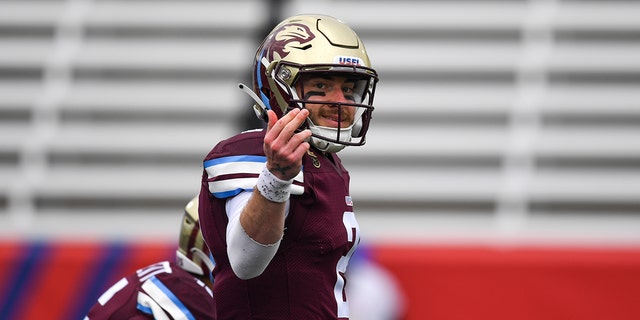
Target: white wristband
273,188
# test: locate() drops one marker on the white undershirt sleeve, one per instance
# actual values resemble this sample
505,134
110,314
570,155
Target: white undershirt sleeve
247,257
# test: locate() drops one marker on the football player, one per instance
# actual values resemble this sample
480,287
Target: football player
165,290
275,206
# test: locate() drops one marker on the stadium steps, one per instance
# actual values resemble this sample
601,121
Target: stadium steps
492,117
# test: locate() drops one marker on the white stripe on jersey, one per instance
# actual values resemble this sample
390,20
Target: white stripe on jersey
107,295
235,165
166,299
148,306
240,165
231,187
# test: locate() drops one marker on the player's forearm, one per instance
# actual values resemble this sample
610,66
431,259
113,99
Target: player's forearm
253,237
263,220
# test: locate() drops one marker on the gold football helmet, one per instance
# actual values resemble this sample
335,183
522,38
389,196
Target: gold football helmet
320,45
193,254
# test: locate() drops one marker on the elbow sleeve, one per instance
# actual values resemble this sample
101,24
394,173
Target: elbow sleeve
247,257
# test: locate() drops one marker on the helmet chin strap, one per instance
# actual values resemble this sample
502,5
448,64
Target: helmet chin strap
187,264
190,266
325,145
204,258
346,134
259,108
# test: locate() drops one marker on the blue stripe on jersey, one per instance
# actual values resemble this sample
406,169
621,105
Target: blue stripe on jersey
231,175
245,158
242,164
173,298
105,270
19,285
144,309
228,194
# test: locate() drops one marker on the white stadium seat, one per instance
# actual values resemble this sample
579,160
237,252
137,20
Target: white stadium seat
508,113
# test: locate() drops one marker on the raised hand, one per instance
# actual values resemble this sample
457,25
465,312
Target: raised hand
283,146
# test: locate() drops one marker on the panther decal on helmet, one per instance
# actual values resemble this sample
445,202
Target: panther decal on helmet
285,38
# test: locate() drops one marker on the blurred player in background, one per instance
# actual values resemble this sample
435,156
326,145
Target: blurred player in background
165,290
275,206
374,293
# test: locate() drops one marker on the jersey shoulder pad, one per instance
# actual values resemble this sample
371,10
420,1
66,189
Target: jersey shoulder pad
234,165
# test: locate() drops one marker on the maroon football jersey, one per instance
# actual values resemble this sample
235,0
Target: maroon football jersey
305,279
159,291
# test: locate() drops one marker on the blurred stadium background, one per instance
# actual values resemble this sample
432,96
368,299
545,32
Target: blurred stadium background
501,178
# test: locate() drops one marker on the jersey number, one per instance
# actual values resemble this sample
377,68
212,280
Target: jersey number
353,236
